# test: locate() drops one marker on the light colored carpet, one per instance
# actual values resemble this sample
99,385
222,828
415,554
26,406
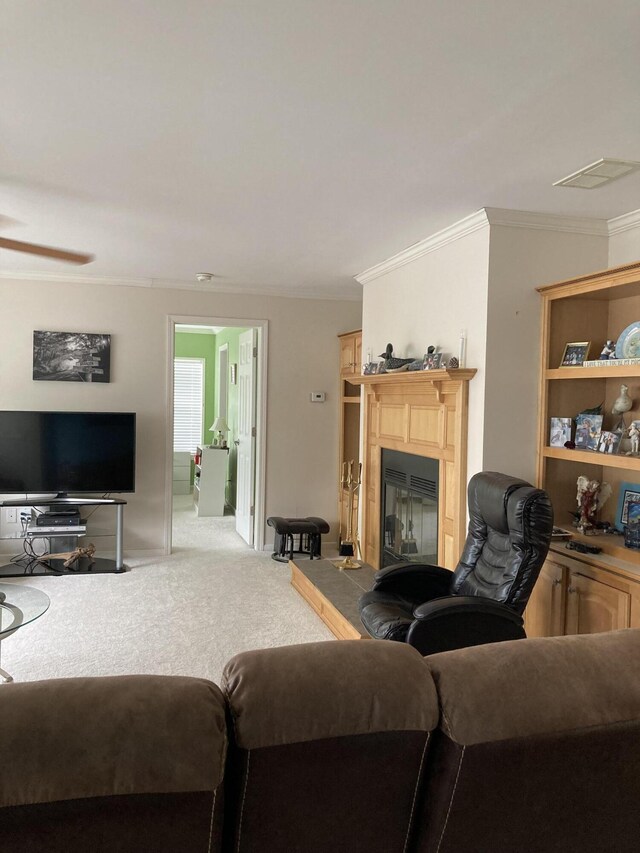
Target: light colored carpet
186,614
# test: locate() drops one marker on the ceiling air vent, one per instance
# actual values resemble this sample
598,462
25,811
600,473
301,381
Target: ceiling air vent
601,172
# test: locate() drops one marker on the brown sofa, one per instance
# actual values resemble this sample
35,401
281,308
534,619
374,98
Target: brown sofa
352,747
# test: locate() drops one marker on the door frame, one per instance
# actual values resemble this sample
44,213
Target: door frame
262,336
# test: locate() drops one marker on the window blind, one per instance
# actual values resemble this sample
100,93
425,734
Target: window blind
188,403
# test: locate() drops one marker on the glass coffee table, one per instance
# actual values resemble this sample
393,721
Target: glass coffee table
19,605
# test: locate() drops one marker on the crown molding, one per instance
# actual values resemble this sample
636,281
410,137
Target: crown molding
626,222
489,216
167,284
547,222
454,232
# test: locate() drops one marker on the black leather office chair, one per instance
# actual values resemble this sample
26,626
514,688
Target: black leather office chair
482,601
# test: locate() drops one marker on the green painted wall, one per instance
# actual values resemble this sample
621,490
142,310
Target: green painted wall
231,337
190,345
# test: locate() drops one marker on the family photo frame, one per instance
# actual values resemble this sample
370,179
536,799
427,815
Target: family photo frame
575,354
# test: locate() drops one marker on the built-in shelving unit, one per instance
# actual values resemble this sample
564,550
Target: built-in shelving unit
585,593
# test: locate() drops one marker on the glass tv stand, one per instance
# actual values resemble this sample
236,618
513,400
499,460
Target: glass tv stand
29,566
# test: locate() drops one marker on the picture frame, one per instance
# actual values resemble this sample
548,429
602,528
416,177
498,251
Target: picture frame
71,356
370,368
609,442
575,354
432,361
559,432
628,493
588,428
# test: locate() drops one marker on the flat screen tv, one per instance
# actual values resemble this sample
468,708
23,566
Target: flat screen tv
67,452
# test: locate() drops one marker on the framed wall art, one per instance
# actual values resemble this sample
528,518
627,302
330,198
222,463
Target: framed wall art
71,357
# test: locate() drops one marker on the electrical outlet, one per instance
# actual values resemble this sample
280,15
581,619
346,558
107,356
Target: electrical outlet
12,515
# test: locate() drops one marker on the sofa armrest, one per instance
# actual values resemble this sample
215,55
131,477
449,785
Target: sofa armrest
418,581
78,738
456,622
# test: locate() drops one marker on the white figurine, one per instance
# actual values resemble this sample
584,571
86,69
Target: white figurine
634,435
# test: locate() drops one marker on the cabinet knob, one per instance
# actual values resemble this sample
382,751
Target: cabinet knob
572,589
557,581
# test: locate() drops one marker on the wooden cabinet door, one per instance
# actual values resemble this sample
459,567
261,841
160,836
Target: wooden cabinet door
347,355
544,614
593,606
357,354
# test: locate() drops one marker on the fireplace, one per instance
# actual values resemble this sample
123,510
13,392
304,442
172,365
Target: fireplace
409,519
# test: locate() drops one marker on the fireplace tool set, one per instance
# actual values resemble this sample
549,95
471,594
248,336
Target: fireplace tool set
350,481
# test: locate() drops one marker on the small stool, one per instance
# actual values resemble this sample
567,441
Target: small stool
309,530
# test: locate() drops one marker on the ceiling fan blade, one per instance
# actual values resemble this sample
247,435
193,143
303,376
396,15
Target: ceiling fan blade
45,251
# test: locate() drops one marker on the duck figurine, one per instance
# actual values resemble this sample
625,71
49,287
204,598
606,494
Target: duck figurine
391,364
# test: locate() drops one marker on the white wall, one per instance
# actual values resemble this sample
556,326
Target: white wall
303,356
484,282
624,246
521,259
428,301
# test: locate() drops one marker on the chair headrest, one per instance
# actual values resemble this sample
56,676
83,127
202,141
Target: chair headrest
489,498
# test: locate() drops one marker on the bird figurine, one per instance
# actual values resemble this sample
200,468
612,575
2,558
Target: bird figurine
623,403
391,364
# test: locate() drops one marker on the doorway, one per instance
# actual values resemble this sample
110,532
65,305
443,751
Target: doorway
216,424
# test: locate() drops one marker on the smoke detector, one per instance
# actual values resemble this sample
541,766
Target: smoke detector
204,276
601,172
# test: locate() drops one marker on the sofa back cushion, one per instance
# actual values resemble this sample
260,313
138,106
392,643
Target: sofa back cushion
112,764
328,745
538,749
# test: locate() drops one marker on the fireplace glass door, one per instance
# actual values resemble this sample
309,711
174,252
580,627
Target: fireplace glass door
409,524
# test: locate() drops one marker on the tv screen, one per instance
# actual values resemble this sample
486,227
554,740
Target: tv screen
67,452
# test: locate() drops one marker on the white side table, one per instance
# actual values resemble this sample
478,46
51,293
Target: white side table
211,480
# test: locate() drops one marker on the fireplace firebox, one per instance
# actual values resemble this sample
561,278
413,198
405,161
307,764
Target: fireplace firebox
409,522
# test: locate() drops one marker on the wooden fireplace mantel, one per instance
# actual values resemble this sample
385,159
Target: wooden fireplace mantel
425,413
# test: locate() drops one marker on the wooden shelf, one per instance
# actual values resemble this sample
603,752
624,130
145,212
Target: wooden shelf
355,400
620,371
592,457
417,376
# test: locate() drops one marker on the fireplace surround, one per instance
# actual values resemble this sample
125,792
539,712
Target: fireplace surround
423,413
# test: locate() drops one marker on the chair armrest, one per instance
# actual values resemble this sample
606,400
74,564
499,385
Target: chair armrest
459,621
417,581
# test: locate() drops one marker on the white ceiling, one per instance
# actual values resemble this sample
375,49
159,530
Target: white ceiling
295,143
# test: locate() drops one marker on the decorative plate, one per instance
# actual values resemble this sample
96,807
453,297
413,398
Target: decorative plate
628,345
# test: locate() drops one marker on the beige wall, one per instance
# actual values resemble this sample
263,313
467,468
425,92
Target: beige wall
303,357
429,301
624,247
520,260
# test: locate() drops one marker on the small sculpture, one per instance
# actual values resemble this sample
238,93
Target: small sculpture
608,351
453,363
623,403
391,364
634,435
88,552
591,497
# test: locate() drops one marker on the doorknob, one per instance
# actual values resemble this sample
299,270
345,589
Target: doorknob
236,441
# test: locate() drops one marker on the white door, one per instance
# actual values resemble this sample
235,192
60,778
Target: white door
246,441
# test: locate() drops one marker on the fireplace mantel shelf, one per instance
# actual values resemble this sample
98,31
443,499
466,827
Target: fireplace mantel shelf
416,378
